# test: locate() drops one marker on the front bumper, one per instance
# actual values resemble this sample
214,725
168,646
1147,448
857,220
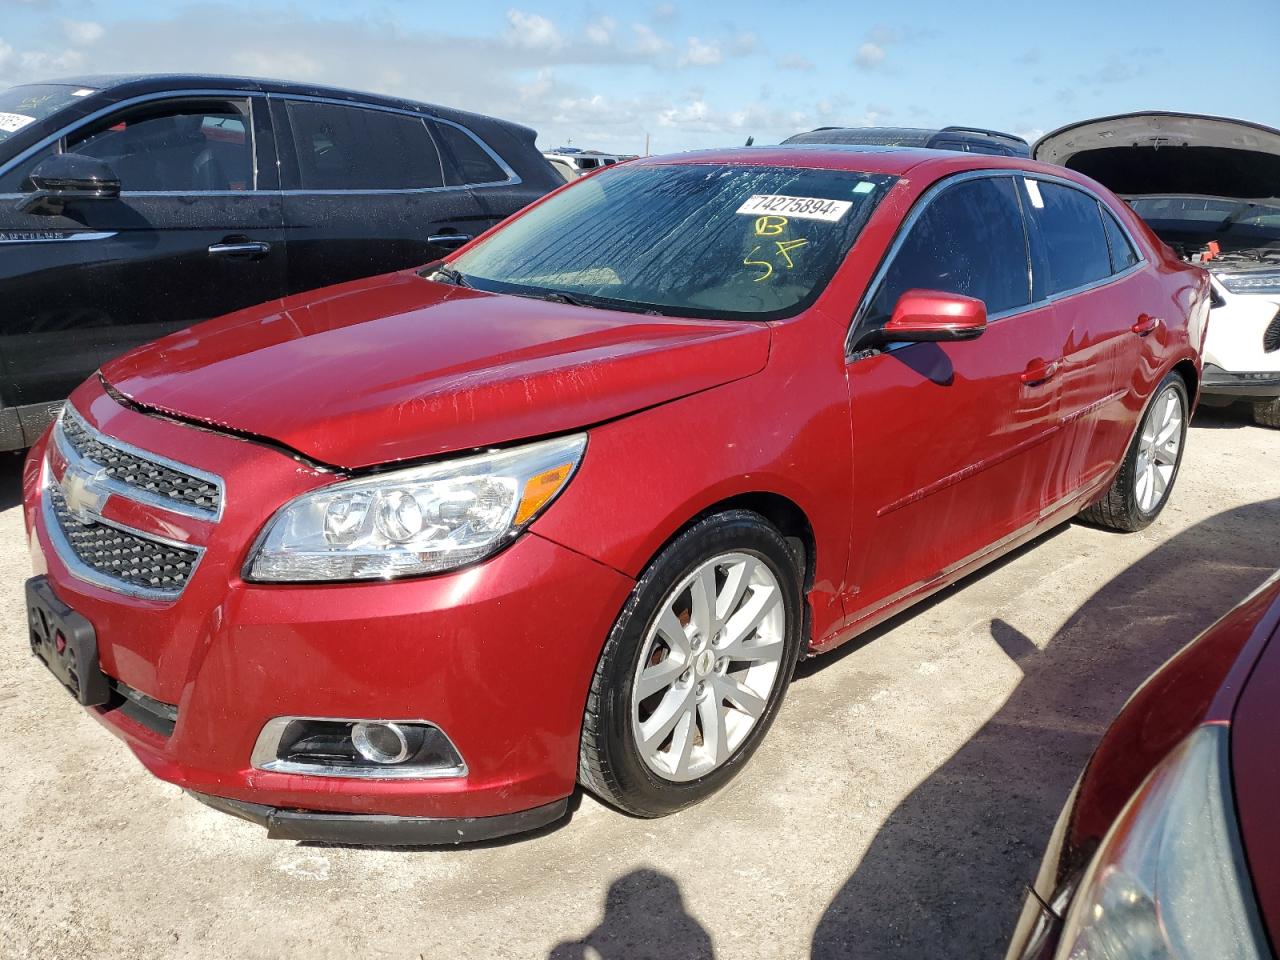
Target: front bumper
1216,382
382,831
498,655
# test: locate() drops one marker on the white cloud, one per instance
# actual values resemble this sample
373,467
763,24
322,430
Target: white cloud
82,33
533,31
600,32
744,43
665,12
700,54
869,56
647,43
794,61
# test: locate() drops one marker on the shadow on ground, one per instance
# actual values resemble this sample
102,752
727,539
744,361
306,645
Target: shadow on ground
644,919
944,875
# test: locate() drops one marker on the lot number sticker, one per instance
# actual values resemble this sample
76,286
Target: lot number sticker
801,208
9,122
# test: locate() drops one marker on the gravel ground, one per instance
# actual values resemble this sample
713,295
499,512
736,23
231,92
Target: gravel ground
895,810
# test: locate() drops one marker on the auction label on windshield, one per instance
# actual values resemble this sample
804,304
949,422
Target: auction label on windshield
802,208
10,122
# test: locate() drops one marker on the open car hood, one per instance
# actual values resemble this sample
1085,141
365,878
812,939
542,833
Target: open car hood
398,367
1137,154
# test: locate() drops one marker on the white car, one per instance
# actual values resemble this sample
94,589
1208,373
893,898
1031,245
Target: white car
1210,188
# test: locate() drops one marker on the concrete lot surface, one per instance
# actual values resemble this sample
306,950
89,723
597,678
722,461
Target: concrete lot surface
895,810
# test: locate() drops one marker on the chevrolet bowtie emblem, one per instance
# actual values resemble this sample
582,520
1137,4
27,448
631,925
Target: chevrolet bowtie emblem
83,497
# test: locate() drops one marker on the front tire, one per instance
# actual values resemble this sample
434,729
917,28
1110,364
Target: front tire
695,668
1142,487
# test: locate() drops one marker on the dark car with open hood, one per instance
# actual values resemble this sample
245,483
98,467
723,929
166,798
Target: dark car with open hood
1210,188
1167,846
133,206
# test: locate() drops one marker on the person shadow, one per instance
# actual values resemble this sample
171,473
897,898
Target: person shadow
644,919
945,874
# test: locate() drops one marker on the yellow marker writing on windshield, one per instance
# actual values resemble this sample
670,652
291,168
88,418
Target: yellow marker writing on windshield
785,245
770,225
768,267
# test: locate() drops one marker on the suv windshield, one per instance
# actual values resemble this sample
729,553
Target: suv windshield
1243,220
721,241
20,106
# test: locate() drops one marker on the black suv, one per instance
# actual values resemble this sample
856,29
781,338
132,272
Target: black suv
132,206
964,139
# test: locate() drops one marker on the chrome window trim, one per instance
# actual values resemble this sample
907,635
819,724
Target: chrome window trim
512,177
130,492
82,571
264,756
941,186
132,102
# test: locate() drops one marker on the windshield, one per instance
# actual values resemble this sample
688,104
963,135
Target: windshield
20,106
1238,219
733,242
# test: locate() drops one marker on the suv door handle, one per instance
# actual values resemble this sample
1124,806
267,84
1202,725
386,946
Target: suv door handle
240,248
1038,372
449,239
1146,324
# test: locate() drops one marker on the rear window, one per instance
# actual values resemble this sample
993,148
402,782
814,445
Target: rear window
353,148
466,162
1072,246
22,106
734,242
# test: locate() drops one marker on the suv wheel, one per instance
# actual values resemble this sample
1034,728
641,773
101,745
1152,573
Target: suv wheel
1266,413
695,667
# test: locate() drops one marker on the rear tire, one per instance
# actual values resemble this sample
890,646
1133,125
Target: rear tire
695,668
1266,413
1142,487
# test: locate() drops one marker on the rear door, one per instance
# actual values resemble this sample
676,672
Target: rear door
1099,297
952,441
196,232
471,162
365,192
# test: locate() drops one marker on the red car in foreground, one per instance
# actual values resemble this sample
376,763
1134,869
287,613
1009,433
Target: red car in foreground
407,559
1168,845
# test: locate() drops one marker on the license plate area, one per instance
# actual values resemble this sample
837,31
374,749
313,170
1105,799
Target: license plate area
65,642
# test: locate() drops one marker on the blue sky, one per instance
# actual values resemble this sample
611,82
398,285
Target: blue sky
696,74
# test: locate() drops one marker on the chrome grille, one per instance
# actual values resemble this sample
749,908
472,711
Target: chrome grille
184,491
121,557
1271,338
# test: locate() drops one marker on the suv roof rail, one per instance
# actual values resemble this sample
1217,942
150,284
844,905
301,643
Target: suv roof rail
984,131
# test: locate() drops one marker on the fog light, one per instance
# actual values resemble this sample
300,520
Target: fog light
381,742
375,749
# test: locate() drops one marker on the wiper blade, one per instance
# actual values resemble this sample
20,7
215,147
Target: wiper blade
448,275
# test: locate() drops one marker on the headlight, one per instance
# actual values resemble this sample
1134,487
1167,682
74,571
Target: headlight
420,520
1250,283
1169,880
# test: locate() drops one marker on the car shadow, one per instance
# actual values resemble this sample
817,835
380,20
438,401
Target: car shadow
11,478
644,919
944,875
1231,417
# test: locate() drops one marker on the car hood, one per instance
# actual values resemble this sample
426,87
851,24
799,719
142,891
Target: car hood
398,367
1170,153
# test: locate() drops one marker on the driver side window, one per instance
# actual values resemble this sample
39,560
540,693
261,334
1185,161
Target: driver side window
969,240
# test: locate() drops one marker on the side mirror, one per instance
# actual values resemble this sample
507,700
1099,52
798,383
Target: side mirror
66,178
931,316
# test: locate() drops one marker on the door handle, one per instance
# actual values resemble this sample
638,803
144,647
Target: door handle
449,239
1146,324
240,249
1038,372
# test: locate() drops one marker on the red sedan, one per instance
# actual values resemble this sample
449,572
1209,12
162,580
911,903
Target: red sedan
1167,846
409,558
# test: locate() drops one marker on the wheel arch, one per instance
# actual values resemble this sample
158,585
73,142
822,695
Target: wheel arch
1186,369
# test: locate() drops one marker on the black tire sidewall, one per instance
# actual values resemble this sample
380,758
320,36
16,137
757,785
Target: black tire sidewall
732,532
1142,517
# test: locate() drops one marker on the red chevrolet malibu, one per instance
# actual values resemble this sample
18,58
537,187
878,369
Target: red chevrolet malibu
407,559
1168,846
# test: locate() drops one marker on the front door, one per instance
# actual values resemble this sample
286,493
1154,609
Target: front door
194,234
952,441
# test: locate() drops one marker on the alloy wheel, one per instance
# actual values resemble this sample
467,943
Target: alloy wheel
708,666
1158,448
